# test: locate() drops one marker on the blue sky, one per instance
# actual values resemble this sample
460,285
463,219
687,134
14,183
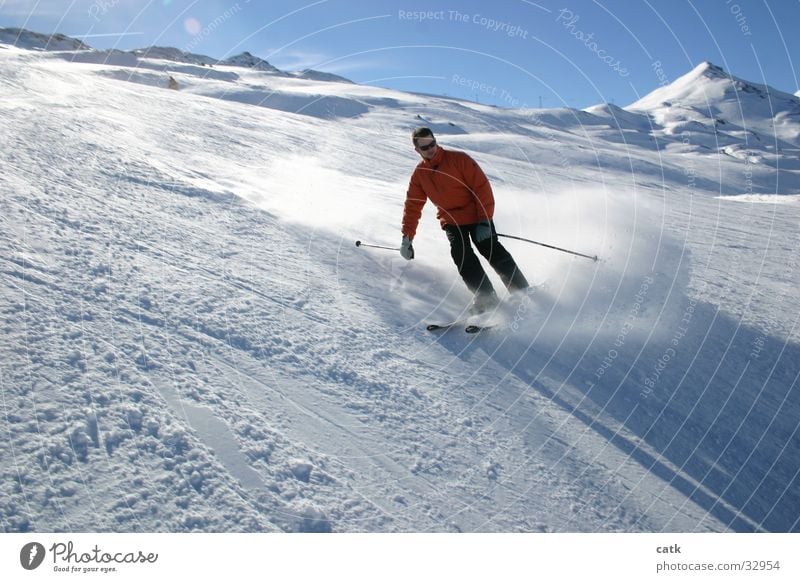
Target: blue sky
511,53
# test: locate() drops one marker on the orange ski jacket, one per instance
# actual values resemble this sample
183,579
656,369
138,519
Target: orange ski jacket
456,185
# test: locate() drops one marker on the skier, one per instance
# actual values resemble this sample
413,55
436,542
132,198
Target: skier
455,183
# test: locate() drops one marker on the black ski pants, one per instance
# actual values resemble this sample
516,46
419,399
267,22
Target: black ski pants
469,266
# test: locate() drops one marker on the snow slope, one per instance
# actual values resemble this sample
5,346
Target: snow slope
191,340
754,123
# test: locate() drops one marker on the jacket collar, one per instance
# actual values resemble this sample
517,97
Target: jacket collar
436,159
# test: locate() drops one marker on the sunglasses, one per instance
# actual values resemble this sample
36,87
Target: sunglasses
425,148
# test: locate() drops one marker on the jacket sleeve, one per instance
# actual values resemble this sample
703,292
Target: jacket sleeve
479,184
412,211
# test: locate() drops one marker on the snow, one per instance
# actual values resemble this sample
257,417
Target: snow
36,41
724,109
169,53
245,59
192,342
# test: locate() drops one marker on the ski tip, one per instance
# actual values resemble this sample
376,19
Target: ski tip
478,328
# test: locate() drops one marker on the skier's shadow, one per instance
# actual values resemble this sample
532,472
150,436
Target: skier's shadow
722,423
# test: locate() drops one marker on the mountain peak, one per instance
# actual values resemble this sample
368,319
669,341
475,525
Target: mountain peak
709,70
706,86
250,61
725,109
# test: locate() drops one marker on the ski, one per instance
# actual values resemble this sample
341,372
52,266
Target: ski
477,328
443,326
468,327
473,323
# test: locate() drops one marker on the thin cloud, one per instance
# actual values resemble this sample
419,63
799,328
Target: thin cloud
296,60
339,65
99,35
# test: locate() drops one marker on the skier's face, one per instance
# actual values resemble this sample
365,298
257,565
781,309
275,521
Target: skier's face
426,147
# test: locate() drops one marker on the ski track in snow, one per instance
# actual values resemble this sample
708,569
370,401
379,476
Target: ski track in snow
192,342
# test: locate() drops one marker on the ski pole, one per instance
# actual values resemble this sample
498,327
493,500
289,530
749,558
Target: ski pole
594,258
361,244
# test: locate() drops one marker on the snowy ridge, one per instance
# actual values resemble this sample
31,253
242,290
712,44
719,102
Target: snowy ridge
170,54
249,61
58,42
721,112
27,39
313,75
192,342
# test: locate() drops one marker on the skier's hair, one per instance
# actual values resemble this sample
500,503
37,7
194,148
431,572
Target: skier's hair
421,132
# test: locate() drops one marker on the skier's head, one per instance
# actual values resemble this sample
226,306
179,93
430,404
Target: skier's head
424,142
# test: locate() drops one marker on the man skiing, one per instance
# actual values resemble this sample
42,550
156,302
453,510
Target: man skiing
459,189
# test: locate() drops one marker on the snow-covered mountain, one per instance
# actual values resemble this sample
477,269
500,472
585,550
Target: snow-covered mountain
171,54
714,110
58,42
245,59
191,340
313,75
37,41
